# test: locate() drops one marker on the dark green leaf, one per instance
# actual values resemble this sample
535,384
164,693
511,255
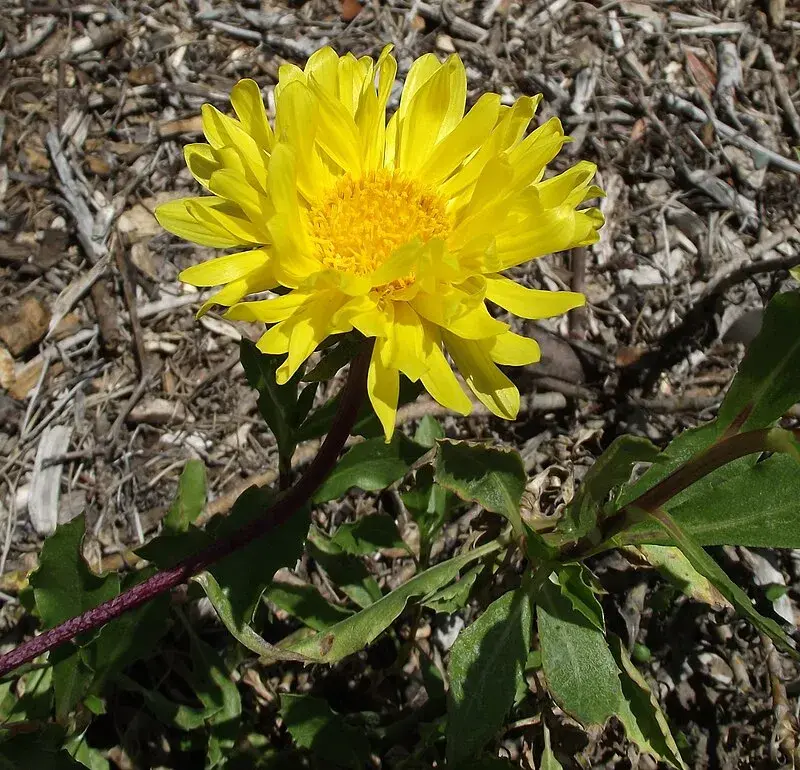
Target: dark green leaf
371,466
368,535
767,383
347,572
429,505
190,498
36,703
576,587
494,478
71,680
170,713
549,761
359,630
86,755
277,403
314,726
455,596
610,470
212,683
305,603
486,662
488,763
38,750
63,585
428,432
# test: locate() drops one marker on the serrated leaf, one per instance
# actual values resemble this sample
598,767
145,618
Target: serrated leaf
305,603
360,630
346,571
371,465
707,567
486,662
494,478
190,498
672,563
63,585
368,535
243,632
641,715
315,726
610,470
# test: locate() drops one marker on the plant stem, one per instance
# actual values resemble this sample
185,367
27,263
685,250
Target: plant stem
164,580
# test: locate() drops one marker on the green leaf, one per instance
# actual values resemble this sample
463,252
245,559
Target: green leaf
63,585
767,383
549,761
166,711
368,535
358,631
488,763
71,680
335,359
576,586
455,596
486,662
644,721
672,563
707,567
428,432
86,755
371,466
610,470
277,403
212,683
243,632
245,573
190,498
429,505
314,726
494,478
305,603
347,572
36,702
756,507
36,750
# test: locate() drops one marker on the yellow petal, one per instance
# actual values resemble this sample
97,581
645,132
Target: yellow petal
201,161
510,349
275,340
246,100
494,390
323,66
228,216
421,71
464,139
235,188
476,324
442,384
409,348
282,182
557,190
176,217
225,269
268,311
222,131
383,387
531,155
339,135
530,303
257,280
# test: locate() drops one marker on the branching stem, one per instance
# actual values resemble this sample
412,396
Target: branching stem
293,500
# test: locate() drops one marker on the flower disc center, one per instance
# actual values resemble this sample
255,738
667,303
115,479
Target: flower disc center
363,221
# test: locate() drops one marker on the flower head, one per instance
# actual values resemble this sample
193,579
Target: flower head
399,230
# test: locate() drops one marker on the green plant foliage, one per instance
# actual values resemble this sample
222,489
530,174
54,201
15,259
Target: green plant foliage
307,604
548,761
314,726
190,498
368,535
371,465
428,432
493,478
486,663
356,632
455,596
63,585
430,505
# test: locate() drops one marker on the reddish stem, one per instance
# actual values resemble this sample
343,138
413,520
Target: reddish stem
294,499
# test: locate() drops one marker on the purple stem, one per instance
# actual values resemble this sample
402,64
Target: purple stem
164,580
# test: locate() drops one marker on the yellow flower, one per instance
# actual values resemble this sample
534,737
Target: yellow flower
400,230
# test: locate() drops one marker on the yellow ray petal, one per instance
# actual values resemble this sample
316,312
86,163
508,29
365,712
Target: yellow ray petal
201,161
228,216
511,349
176,217
222,131
442,384
257,280
383,386
476,324
268,311
235,188
530,303
557,190
225,269
338,135
494,390
533,153
246,100
275,340
409,348
421,71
